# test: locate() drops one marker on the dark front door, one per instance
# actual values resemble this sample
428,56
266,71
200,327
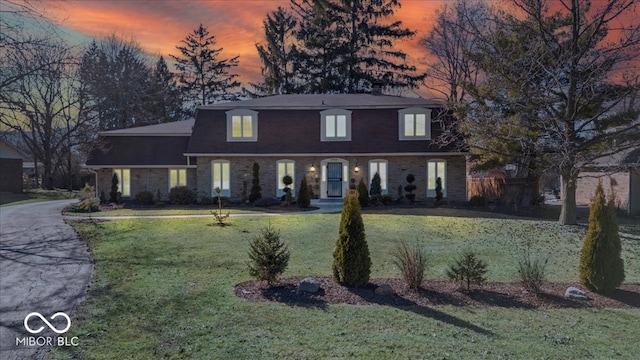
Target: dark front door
334,180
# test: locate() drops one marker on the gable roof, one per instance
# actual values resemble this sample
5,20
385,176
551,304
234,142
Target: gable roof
324,101
9,151
176,128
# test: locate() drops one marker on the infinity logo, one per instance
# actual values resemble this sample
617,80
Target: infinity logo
39,330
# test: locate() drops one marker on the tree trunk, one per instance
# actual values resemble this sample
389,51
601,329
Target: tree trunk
569,208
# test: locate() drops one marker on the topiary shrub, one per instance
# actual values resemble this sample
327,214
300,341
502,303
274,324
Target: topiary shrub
351,261
601,266
143,197
410,188
287,180
256,190
439,193
363,194
468,268
269,256
304,197
411,261
182,195
376,186
113,194
477,200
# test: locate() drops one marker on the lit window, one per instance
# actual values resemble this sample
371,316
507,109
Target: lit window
336,125
124,181
379,167
436,169
285,167
414,124
177,177
242,125
220,177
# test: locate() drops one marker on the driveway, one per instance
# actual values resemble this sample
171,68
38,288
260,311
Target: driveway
44,268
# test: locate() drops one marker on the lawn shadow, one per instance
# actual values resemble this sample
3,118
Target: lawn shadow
492,298
563,301
627,297
402,303
288,294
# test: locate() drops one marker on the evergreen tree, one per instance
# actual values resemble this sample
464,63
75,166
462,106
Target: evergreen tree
113,194
164,102
304,198
376,186
269,256
204,77
363,194
601,266
351,261
255,187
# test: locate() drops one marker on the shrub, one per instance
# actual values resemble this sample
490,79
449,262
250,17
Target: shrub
477,200
266,202
601,267
376,187
255,187
182,195
85,206
351,260
386,199
304,197
158,196
532,272
287,180
439,189
410,188
268,255
468,268
143,198
411,261
103,198
363,194
113,194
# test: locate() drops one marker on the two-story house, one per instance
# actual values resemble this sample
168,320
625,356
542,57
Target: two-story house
332,140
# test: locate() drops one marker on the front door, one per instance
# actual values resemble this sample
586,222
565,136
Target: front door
334,179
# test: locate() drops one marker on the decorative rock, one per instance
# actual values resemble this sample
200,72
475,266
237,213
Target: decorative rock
575,294
384,290
309,285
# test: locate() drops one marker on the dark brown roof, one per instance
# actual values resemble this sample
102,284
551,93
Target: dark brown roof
141,151
176,128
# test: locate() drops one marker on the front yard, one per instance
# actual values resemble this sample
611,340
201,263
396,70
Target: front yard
164,288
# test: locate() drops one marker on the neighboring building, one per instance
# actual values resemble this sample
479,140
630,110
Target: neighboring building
620,175
331,140
11,165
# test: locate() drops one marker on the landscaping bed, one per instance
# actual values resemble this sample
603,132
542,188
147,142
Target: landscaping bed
432,293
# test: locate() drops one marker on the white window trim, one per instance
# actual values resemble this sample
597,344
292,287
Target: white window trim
384,182
323,125
254,125
224,192
432,192
178,177
414,110
279,186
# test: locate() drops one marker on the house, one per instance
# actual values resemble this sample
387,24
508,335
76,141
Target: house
11,164
333,140
620,175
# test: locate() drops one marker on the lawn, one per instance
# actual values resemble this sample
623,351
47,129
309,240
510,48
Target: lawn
36,195
164,288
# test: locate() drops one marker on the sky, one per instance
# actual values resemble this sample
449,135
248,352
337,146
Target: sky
159,25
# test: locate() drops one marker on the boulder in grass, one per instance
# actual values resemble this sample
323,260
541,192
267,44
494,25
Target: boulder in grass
575,294
309,285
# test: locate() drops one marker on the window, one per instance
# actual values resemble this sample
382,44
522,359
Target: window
177,177
285,167
414,124
124,181
380,167
242,125
336,125
436,169
220,177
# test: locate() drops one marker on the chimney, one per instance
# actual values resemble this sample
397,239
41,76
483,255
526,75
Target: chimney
376,88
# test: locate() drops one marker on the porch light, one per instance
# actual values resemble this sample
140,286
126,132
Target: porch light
356,168
312,168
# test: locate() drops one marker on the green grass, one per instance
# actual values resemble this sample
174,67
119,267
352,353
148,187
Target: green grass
163,288
36,195
163,212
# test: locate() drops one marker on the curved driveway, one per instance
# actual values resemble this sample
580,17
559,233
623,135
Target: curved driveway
44,268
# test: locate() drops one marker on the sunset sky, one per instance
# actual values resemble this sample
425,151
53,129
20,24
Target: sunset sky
159,25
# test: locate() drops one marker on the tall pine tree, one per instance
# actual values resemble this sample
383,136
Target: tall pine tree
164,102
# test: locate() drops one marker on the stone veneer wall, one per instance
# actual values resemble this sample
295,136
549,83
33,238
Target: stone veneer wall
398,168
150,179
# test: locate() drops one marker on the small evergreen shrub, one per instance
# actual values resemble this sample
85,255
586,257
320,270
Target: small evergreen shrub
269,256
158,196
351,260
477,200
114,194
468,269
103,198
143,197
410,188
376,187
363,194
304,197
411,261
256,190
182,195
439,193
386,199
601,265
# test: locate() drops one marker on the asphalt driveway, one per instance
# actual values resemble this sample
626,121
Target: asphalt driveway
44,268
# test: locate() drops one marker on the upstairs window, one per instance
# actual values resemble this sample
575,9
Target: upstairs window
414,124
336,125
242,125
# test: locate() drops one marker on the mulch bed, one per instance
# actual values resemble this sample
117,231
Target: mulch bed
432,293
